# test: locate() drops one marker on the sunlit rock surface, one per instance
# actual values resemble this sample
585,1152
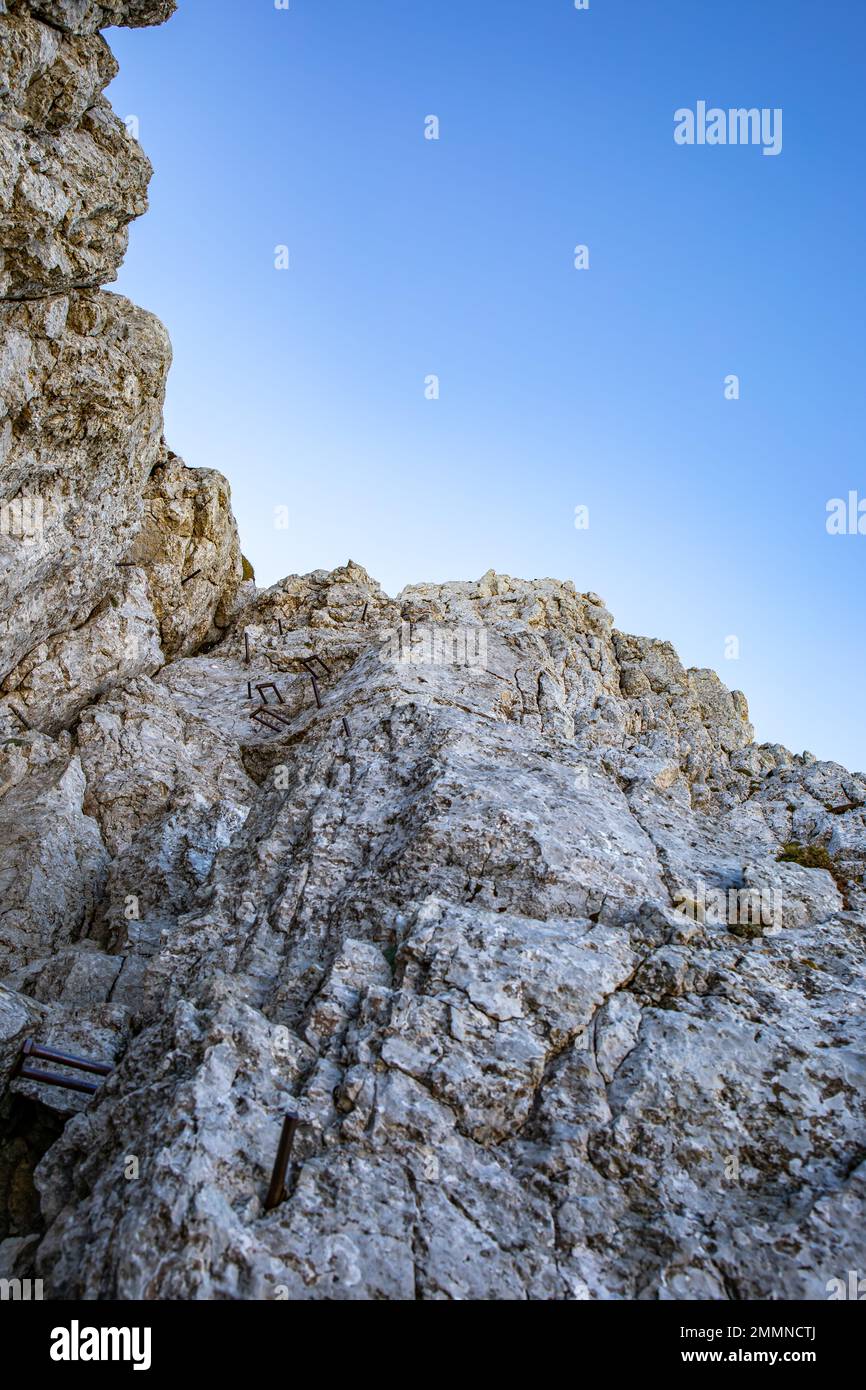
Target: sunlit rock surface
563,974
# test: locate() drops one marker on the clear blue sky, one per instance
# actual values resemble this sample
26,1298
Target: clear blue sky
559,387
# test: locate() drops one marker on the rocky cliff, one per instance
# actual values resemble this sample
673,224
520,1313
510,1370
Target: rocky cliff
562,973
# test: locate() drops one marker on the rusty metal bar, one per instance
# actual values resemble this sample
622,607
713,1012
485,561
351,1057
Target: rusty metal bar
277,1189
269,685
307,663
316,691
48,1054
190,576
280,625
269,715
22,1072
264,713
247,648
53,1078
364,614
264,716
346,728
249,690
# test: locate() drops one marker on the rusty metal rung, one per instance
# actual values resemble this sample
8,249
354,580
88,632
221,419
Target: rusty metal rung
308,663
53,1078
264,717
49,1054
269,685
277,1189
22,1072
265,714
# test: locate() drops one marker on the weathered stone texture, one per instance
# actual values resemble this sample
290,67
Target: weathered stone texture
489,912
456,941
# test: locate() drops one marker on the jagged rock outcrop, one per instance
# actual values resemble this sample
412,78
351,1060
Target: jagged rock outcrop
72,178
82,384
563,973
188,547
113,555
87,16
85,480
467,941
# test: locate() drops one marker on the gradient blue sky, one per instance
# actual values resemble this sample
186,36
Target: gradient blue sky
558,387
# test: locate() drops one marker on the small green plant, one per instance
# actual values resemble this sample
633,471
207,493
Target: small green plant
810,856
248,571
815,857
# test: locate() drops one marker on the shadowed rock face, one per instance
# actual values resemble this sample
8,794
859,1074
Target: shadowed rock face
505,918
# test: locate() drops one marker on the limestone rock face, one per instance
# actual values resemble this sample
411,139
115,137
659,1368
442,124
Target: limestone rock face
61,677
82,379
71,178
52,859
562,972
515,939
113,555
188,546
82,373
